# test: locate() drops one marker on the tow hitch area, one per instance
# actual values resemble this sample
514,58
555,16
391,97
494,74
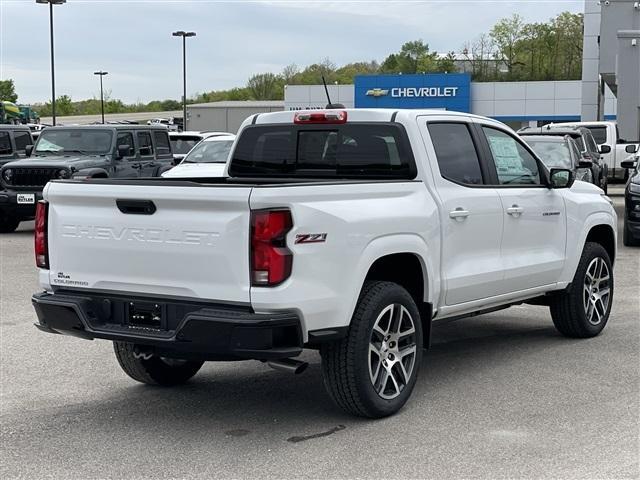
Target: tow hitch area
143,314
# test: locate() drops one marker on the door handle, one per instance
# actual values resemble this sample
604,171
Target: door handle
515,210
136,165
459,213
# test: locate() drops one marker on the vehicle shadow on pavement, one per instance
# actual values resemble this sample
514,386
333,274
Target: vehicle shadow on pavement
242,399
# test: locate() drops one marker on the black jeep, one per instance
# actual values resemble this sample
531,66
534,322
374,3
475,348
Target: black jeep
14,140
95,151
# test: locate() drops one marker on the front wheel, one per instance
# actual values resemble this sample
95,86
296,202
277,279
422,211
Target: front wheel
583,309
154,370
372,371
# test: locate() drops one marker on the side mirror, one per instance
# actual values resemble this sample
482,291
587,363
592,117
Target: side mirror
584,163
604,149
631,148
28,150
561,177
123,151
628,164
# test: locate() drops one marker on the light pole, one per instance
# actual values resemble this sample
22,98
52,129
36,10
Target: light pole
184,36
101,74
53,75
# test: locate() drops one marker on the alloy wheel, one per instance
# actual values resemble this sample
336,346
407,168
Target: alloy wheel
392,351
596,291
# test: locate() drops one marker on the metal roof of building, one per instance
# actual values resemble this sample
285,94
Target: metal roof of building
240,104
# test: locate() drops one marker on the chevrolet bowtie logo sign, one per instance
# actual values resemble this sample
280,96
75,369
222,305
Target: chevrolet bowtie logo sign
377,92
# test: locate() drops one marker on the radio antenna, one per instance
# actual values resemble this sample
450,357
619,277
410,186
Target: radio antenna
326,91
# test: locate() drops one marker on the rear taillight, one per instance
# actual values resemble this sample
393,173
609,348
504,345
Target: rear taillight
41,243
328,116
271,260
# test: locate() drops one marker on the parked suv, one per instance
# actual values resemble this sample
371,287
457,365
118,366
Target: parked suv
80,152
14,140
561,152
586,143
631,231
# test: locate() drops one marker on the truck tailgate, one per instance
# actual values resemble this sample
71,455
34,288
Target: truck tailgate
195,244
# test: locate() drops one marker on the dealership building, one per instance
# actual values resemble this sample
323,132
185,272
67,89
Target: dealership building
515,103
609,88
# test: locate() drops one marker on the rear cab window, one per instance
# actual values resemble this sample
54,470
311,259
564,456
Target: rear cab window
350,150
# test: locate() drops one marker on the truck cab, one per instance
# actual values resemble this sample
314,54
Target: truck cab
96,151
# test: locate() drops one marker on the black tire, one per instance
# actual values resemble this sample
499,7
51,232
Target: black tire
628,240
605,183
155,370
346,363
8,223
568,309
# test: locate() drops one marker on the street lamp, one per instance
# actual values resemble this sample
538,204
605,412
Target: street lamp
184,36
102,74
53,75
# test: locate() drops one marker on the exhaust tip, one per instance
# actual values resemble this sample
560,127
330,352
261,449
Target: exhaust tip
288,365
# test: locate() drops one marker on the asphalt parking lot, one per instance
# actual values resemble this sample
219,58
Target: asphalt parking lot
501,395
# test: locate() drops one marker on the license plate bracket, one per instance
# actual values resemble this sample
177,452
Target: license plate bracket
149,315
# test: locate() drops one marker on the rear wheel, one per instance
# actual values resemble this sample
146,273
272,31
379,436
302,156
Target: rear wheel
154,370
583,309
8,223
372,371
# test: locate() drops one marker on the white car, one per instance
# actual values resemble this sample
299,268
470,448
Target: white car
207,159
183,142
345,231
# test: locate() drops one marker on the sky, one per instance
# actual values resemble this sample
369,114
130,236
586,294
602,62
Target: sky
235,39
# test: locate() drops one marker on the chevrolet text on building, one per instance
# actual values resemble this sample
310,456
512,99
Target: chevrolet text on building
424,92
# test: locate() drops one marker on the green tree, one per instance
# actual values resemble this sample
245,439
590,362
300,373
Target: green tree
508,34
8,91
265,86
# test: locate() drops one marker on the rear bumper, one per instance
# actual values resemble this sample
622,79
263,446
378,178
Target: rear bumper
188,330
9,203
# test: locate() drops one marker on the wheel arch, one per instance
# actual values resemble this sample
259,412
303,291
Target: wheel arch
92,173
605,236
409,268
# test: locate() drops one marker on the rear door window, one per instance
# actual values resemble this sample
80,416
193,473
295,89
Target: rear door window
456,153
374,150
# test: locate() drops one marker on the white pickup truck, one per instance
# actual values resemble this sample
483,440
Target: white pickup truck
614,150
346,231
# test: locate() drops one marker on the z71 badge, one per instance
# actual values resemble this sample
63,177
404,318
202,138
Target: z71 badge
311,238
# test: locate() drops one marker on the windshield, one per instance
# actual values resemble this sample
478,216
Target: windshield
182,144
84,141
210,152
552,154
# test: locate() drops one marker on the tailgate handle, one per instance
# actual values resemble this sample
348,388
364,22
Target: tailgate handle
136,207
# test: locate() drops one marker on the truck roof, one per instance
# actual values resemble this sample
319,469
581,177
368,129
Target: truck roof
15,127
108,126
365,115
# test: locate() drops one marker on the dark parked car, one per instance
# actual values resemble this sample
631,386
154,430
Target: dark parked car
586,143
561,152
631,230
80,152
14,140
